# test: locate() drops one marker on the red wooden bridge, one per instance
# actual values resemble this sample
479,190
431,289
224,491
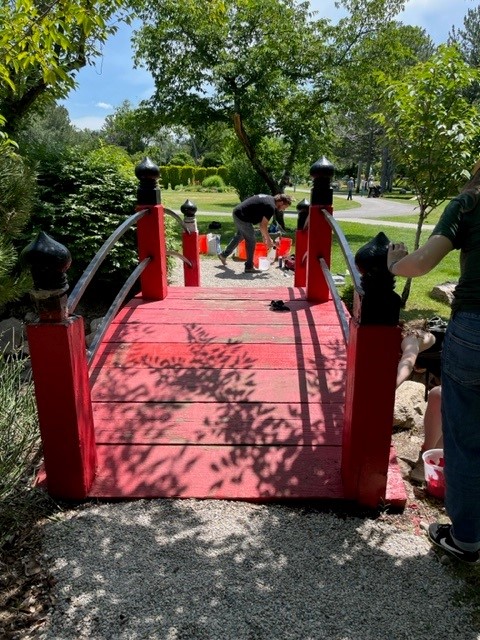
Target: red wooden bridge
207,393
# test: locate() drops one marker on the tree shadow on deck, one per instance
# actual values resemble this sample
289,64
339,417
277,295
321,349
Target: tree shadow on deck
231,419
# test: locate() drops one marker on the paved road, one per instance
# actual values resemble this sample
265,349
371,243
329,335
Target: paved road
369,211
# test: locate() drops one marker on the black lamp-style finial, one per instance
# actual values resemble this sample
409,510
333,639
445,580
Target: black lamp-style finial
322,172
48,261
148,192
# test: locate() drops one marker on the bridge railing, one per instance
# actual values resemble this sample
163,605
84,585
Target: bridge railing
372,336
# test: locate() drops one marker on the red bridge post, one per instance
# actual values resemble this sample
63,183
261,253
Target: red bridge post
151,232
60,373
191,272
319,231
372,357
301,243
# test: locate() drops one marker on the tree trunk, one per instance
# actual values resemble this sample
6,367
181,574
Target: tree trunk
242,135
408,282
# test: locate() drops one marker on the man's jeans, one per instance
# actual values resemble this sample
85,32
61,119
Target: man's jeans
245,230
461,425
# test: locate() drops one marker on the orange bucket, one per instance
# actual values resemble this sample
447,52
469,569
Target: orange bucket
260,252
202,244
241,252
284,247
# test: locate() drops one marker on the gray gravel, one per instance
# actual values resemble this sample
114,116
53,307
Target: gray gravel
220,570
171,569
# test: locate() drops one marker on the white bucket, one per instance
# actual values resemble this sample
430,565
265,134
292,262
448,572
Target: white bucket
433,461
263,263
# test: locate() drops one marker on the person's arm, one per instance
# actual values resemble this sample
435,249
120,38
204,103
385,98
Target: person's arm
411,346
421,261
265,235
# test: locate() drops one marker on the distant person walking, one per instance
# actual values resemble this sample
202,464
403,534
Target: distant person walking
350,187
259,209
371,187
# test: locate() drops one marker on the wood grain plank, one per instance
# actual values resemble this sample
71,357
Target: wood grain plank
217,424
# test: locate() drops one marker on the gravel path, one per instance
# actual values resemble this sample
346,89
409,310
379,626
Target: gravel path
220,570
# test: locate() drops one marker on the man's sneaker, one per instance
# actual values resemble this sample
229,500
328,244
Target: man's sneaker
252,270
440,535
222,259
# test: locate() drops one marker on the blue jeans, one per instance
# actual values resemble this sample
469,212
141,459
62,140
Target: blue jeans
461,425
245,230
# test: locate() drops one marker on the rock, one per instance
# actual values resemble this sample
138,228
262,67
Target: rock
94,324
444,292
410,405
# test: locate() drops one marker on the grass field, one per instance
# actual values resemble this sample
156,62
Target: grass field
419,305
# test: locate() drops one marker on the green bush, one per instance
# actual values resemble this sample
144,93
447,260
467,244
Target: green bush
244,179
17,185
80,206
213,182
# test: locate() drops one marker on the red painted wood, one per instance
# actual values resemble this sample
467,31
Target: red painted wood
228,472
219,406
151,243
319,245
289,333
262,315
369,406
219,356
219,423
57,352
301,245
217,385
191,251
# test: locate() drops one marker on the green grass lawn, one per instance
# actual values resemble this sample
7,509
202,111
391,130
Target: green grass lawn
419,305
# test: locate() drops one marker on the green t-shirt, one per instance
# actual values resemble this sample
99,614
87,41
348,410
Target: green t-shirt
460,223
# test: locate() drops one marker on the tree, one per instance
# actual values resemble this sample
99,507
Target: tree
266,69
468,41
399,47
42,46
430,128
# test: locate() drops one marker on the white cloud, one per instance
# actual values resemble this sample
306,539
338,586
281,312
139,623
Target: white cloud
94,123
104,105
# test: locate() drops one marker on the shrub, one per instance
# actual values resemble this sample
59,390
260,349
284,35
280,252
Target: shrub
83,204
213,182
19,440
244,179
17,185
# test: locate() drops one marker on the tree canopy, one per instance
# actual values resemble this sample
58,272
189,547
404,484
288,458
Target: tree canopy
267,69
431,128
42,46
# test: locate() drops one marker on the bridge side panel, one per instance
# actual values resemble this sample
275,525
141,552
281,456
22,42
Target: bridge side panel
62,390
372,358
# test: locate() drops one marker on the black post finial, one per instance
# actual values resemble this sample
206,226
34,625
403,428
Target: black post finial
322,172
189,209
148,173
380,305
48,261
303,208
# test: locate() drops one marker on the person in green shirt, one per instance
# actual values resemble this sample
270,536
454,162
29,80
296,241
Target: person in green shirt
458,228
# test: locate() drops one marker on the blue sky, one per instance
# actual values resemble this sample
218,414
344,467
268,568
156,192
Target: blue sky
112,79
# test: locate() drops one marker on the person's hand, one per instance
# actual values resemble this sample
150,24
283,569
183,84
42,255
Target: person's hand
396,251
269,242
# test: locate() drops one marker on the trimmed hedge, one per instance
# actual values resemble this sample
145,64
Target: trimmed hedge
172,176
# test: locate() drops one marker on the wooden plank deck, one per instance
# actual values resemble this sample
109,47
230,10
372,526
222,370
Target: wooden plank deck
211,394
